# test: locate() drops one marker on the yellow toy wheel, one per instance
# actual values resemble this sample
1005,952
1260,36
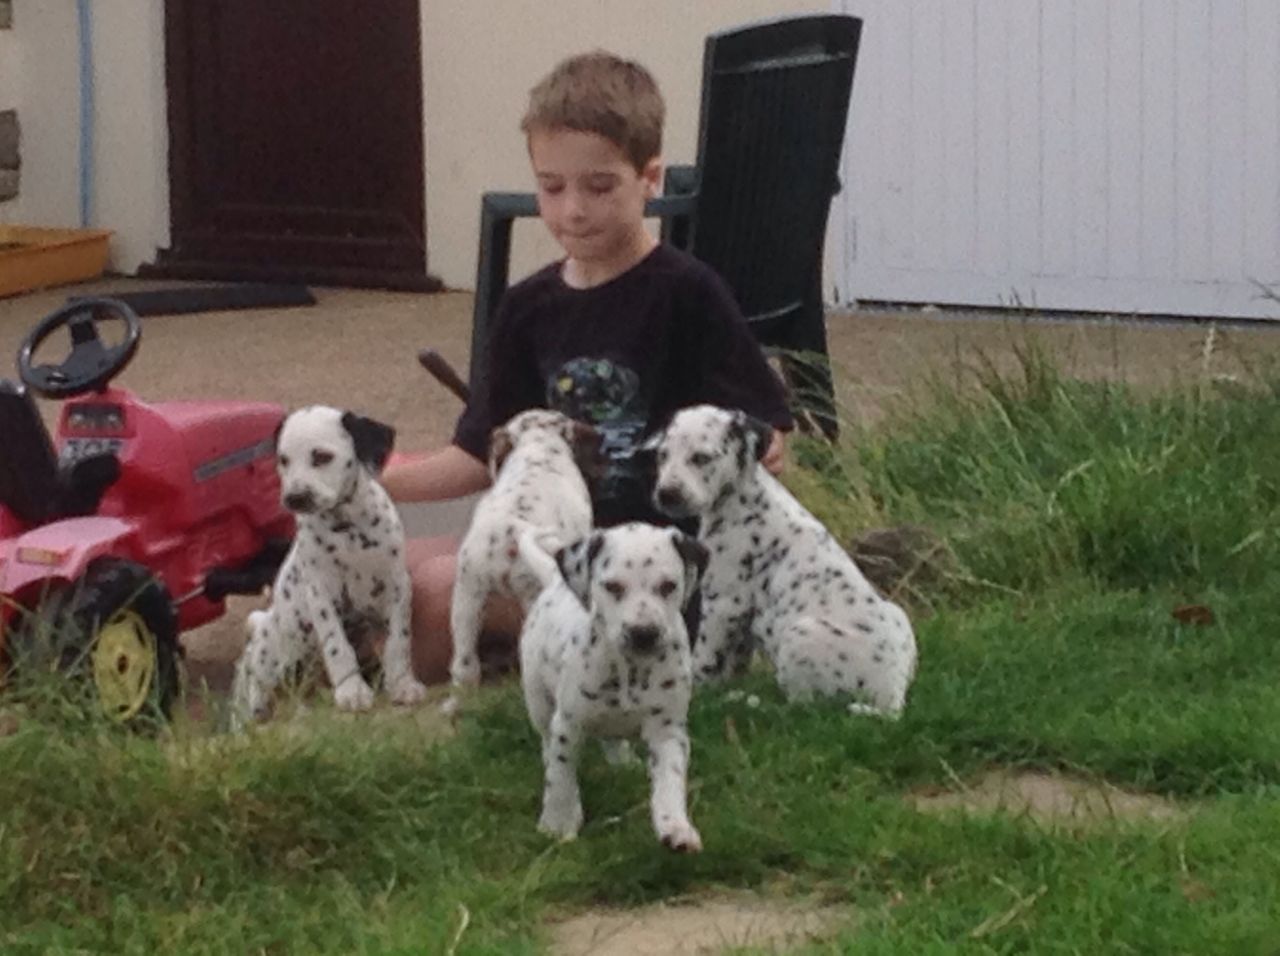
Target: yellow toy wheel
128,638
124,664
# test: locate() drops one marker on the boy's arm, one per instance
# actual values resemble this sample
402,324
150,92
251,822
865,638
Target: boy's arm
447,472
459,468
775,456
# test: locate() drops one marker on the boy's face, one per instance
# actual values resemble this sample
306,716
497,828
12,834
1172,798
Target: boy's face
589,195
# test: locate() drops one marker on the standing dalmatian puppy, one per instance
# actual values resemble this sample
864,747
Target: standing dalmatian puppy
604,652
536,486
345,571
776,576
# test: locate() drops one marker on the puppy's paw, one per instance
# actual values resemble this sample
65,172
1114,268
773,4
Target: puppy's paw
238,721
870,710
353,694
681,837
248,700
465,672
563,825
618,752
408,691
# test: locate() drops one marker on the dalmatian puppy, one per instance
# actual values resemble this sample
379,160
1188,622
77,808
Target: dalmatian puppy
776,578
536,485
345,572
604,652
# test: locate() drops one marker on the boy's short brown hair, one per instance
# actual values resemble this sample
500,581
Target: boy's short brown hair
604,94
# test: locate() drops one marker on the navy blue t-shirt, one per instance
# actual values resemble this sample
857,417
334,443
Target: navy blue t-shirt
624,356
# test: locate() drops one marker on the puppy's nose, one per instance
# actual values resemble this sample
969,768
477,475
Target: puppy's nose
644,639
301,501
669,499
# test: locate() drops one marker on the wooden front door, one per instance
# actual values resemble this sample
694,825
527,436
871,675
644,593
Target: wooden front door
296,141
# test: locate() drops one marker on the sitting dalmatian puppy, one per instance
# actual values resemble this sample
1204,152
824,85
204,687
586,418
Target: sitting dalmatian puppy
537,486
776,577
604,652
344,572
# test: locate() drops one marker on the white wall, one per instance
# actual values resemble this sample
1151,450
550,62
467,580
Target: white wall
9,70
48,105
130,183
42,43
1111,155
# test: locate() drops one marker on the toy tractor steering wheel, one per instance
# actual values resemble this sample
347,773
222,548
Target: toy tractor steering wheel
89,365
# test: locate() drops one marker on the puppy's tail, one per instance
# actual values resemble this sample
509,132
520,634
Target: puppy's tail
536,549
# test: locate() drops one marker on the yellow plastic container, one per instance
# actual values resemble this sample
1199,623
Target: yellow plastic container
34,257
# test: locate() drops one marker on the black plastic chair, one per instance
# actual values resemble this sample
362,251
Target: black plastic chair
775,97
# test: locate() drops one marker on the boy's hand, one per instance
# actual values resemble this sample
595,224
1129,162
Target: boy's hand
773,456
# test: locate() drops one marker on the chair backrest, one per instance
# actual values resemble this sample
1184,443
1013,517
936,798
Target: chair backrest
775,97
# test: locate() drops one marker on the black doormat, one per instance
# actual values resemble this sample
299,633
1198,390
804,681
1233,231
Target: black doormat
218,298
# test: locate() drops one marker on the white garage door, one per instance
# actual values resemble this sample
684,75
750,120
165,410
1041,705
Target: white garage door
1108,155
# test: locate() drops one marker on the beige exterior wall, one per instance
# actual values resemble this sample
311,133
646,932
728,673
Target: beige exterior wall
45,91
8,70
130,185
8,100
479,59
481,56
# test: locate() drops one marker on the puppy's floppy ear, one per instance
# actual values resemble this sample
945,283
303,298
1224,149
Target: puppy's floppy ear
587,444
695,556
372,439
275,435
576,562
654,441
500,446
753,434
646,455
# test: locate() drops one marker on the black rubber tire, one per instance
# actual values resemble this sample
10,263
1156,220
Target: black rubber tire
108,587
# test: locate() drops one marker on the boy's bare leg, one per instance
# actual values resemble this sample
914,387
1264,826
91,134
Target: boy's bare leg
432,566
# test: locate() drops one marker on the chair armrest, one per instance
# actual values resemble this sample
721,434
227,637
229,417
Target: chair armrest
676,213
499,210
493,267
682,182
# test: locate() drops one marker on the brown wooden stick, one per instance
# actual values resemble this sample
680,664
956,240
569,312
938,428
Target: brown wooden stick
444,373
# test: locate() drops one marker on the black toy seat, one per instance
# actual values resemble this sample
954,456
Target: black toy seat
32,483
28,468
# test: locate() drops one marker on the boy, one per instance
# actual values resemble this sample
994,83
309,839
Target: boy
622,332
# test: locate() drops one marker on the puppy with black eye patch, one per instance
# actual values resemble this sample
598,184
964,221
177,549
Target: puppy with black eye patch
344,572
605,653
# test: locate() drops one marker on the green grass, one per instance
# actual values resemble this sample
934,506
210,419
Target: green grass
1034,478
1078,516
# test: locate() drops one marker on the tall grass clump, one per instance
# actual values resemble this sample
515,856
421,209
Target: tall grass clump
1032,477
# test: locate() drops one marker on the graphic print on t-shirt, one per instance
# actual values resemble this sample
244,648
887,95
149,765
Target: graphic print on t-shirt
595,390
606,395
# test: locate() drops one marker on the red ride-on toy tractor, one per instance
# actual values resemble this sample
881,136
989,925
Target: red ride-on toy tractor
132,524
